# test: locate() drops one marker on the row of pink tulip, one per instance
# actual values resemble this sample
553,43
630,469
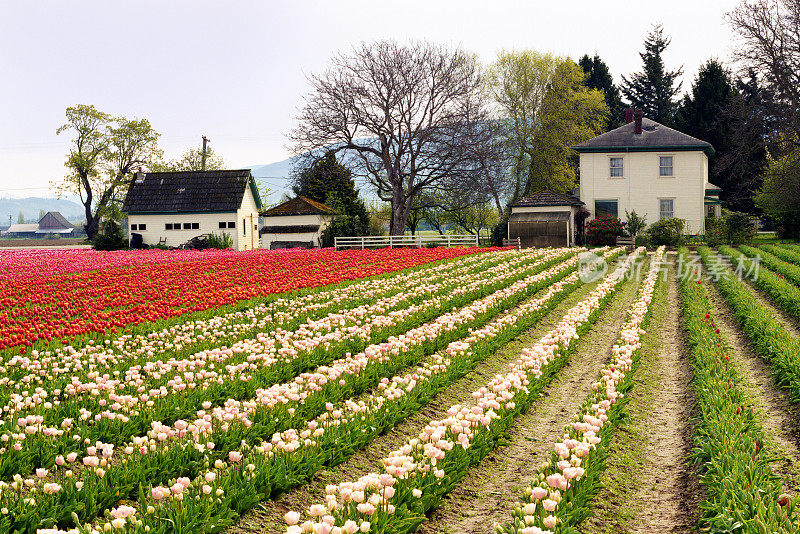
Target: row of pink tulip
293,449
561,486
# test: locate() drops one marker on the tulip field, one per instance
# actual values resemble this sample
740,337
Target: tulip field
364,391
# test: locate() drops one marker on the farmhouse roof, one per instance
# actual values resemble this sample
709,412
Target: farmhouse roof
655,136
299,205
547,197
189,192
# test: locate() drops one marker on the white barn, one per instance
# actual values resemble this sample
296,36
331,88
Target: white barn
298,222
649,168
171,208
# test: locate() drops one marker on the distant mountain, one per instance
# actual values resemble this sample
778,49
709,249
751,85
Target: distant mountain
275,176
31,207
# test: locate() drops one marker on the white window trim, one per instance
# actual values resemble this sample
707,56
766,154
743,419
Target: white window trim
609,168
660,218
659,166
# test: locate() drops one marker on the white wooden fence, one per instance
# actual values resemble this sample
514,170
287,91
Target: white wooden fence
418,241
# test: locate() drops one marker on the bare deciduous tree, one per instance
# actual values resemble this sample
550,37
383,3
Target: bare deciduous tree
403,114
770,46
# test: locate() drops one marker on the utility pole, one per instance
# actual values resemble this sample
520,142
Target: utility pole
203,159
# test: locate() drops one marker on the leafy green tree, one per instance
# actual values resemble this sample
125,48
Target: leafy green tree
104,151
598,76
779,197
546,107
191,160
654,90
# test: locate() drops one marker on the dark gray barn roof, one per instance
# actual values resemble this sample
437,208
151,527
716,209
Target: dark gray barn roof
654,136
190,192
547,198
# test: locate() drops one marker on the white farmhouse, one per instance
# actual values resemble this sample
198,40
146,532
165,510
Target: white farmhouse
649,168
298,222
171,208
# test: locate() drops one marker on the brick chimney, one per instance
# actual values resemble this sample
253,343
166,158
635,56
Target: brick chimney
628,115
637,121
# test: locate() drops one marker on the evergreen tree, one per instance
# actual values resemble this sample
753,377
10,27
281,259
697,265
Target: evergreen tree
599,77
702,112
20,218
654,89
323,176
739,170
327,181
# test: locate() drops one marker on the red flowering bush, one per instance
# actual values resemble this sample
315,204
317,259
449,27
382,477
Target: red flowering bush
604,230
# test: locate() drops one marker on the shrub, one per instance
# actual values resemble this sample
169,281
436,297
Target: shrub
110,238
604,230
635,223
220,241
739,228
666,232
732,228
499,232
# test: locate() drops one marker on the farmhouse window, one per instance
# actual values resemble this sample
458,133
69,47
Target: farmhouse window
134,227
223,224
615,167
244,227
665,208
605,208
168,226
187,226
142,227
665,166
195,226
232,224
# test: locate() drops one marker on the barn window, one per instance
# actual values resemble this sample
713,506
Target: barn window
605,208
615,167
142,227
134,227
665,166
666,208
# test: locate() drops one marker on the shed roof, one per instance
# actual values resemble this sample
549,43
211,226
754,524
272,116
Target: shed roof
190,191
539,216
547,197
299,205
655,136
23,227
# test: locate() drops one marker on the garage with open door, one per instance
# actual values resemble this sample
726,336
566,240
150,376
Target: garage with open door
544,219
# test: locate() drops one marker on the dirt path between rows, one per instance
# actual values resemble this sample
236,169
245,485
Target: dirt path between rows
650,486
789,322
779,417
268,517
485,495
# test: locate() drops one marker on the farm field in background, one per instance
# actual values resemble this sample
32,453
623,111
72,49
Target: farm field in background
389,391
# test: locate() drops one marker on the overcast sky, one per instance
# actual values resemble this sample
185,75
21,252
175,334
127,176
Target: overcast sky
236,71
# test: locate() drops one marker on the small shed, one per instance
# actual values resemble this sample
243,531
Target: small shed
298,222
544,219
